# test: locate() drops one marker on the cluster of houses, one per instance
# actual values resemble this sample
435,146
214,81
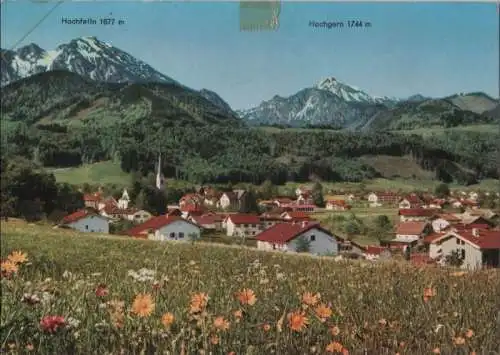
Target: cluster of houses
288,224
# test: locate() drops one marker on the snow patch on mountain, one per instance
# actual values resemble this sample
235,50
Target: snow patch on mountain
86,56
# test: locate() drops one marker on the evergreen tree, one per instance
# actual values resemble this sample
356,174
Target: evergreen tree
248,203
317,195
303,245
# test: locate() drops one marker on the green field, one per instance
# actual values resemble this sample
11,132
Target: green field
110,173
481,128
361,307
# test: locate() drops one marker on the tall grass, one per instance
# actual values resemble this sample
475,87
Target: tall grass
375,308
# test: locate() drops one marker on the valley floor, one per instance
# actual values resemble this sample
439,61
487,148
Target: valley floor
110,173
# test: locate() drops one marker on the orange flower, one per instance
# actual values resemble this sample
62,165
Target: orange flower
214,339
198,302
323,312
266,327
246,296
429,292
297,321
459,341
310,299
8,267
221,324
436,351
17,257
469,333
335,331
167,319
334,347
143,305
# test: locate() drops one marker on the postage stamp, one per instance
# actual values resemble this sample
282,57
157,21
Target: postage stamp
259,15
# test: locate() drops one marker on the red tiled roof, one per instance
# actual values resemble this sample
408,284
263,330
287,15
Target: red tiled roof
243,218
417,212
154,223
298,215
413,199
282,233
206,219
411,228
486,239
449,217
76,216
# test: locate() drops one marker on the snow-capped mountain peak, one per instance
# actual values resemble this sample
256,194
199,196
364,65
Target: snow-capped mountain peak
344,91
86,56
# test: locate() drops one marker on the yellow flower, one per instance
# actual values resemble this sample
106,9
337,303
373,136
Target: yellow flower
246,296
17,257
143,305
221,324
297,321
8,266
310,299
167,319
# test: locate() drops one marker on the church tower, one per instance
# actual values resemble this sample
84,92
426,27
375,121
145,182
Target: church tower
124,200
159,175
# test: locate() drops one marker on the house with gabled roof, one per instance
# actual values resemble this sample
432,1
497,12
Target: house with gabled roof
295,216
410,201
286,237
416,214
476,247
337,205
86,220
242,225
377,199
165,227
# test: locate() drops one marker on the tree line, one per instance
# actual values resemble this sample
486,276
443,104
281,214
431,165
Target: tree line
215,154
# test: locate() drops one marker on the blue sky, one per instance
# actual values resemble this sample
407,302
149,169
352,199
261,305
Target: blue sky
435,49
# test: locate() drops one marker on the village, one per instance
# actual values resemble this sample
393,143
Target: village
451,230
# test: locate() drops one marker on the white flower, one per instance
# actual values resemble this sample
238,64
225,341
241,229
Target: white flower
95,274
67,275
103,305
46,298
73,322
438,328
280,276
30,298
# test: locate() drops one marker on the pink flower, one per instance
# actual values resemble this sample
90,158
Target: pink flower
50,324
101,291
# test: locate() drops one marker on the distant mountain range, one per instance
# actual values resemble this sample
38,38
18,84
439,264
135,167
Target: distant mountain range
112,80
332,102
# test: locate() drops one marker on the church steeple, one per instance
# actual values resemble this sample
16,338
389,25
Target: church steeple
159,175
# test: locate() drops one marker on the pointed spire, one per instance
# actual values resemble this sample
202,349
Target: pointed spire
158,174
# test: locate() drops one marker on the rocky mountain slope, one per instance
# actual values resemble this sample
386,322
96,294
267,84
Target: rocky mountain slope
332,102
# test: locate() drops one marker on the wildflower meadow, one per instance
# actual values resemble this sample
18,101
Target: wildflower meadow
69,293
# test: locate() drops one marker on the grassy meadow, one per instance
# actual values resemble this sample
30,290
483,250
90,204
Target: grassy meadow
91,294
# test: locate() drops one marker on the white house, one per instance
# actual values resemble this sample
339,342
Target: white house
287,237
86,220
139,216
476,247
440,224
242,225
166,227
